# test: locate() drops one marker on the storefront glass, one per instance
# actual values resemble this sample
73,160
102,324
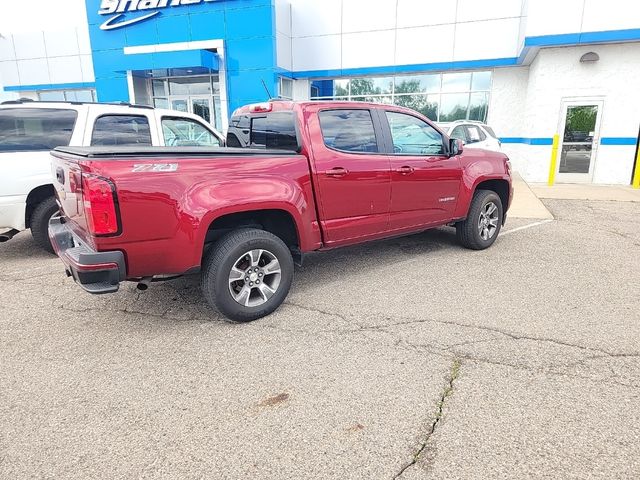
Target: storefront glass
441,97
198,94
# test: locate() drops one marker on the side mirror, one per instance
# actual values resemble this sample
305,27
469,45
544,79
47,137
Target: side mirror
456,146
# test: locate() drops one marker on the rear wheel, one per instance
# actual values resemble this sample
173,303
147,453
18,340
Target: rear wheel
40,222
483,223
247,274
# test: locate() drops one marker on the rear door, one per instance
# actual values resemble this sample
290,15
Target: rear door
424,180
351,173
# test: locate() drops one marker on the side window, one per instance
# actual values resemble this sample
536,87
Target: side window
460,133
184,132
475,134
121,130
24,129
413,136
348,130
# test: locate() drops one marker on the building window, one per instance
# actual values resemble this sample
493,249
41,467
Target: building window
188,90
285,88
441,97
86,95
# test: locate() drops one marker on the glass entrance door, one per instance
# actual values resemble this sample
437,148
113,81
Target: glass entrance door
579,142
202,107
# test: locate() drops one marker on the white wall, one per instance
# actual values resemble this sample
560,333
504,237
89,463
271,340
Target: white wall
526,102
283,34
44,43
548,17
341,34
46,57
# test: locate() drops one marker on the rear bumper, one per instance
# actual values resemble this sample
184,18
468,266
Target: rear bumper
95,272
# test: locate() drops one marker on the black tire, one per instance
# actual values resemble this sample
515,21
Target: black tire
468,231
225,254
40,222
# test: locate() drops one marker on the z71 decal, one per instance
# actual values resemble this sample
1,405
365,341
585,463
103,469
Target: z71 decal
155,167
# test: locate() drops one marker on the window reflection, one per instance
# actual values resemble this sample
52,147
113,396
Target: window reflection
453,106
441,97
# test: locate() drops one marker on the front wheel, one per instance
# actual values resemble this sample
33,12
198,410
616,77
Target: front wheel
247,274
40,222
483,223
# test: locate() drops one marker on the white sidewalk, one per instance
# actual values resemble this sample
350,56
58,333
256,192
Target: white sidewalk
618,193
525,203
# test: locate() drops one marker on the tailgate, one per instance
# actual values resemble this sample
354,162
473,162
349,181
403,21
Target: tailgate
67,181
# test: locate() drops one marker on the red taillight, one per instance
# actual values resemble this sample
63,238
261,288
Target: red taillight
99,199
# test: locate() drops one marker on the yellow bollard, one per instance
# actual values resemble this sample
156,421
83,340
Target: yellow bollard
636,175
554,158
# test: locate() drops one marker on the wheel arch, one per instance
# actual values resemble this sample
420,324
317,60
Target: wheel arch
498,185
34,198
278,221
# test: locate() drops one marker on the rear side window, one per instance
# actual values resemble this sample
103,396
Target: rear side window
121,130
24,129
273,130
348,130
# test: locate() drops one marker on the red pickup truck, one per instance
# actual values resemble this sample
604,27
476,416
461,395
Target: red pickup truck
297,177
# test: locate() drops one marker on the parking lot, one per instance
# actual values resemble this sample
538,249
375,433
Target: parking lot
406,358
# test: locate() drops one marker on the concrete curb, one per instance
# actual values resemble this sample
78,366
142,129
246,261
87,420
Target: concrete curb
525,203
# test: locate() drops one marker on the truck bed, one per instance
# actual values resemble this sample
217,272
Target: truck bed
168,197
173,152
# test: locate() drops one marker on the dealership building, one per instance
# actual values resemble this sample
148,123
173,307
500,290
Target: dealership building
532,69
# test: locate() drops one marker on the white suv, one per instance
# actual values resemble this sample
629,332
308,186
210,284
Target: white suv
474,134
29,130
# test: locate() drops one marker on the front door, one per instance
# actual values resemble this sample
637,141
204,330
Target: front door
579,140
425,181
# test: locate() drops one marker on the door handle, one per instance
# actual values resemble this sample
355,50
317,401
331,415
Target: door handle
336,172
405,170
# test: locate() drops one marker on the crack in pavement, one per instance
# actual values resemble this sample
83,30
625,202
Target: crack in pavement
446,393
445,353
411,321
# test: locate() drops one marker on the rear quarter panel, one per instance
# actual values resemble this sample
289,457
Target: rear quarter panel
165,215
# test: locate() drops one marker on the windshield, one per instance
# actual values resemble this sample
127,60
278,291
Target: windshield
28,129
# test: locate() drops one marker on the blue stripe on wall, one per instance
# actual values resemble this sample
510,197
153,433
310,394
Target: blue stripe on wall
528,141
549,141
420,67
49,86
618,141
583,38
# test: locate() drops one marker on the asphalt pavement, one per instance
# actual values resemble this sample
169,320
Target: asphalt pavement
405,358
